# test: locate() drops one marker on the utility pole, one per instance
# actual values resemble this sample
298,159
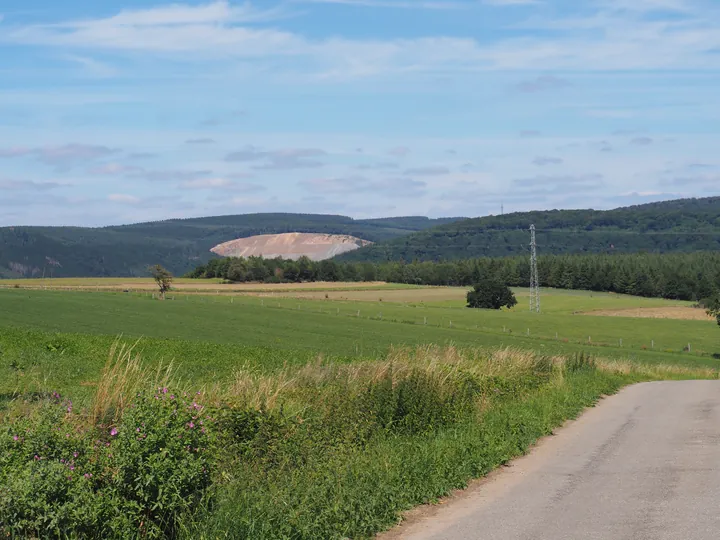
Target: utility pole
534,278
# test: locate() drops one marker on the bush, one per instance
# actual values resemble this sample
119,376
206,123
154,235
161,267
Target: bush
139,477
491,294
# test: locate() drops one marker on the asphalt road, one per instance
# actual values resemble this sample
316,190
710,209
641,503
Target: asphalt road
644,464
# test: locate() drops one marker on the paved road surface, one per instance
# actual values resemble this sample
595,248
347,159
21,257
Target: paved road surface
644,464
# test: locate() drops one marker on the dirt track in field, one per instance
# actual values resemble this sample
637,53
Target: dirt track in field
677,312
198,286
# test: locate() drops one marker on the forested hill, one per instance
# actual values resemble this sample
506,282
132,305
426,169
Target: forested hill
180,245
680,225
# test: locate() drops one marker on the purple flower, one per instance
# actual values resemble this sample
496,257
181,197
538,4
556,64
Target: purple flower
164,390
16,438
75,454
137,430
88,475
191,425
37,458
113,432
172,396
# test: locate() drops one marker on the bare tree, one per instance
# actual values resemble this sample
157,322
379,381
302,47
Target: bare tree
163,278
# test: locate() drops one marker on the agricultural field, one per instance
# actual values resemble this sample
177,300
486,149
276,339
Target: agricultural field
341,404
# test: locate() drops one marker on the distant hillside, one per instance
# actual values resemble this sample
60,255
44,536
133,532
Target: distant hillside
672,226
180,245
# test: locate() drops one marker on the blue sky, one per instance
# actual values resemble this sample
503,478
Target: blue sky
122,111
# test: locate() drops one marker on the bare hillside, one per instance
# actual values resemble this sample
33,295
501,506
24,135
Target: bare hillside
291,246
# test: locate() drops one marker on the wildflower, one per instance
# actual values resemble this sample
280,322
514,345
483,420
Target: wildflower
37,458
137,430
164,390
172,396
191,425
113,432
72,467
87,475
16,438
75,454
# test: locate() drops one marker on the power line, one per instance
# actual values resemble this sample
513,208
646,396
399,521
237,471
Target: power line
534,278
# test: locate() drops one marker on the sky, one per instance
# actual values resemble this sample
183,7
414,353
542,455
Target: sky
139,110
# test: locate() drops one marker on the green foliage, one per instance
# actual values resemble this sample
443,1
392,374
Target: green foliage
673,226
353,493
686,276
177,244
713,307
491,293
162,277
61,478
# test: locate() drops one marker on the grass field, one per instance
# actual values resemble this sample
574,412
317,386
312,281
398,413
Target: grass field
328,410
264,333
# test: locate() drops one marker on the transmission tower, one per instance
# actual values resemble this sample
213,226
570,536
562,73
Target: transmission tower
534,278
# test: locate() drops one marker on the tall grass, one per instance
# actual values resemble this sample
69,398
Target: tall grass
325,450
123,376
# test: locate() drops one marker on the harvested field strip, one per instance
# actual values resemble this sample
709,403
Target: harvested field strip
678,313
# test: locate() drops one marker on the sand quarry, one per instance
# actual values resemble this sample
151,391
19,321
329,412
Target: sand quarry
316,247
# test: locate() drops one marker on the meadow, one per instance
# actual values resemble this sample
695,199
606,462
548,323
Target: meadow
286,413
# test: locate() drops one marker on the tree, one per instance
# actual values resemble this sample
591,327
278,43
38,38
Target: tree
491,294
714,308
163,278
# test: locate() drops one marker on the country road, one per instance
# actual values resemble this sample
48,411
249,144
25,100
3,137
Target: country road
644,464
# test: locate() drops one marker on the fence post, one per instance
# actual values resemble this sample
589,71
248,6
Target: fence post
528,332
589,339
621,342
450,324
425,321
358,313
652,343
689,348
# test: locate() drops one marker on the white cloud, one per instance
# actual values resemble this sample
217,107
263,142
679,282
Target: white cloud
396,4
123,198
608,38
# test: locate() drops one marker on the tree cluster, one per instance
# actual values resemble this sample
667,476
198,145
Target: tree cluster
687,276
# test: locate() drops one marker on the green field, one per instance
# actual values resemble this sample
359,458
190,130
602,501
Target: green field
326,417
226,333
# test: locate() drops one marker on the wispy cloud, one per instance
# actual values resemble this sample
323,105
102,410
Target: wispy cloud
287,158
395,4
360,184
542,83
541,161
63,155
221,183
612,36
204,140
27,185
123,198
431,170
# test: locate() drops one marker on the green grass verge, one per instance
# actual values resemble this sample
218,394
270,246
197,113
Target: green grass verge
358,494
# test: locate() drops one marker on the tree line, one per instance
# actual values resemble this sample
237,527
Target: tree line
680,276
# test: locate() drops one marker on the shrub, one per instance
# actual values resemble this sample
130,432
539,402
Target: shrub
491,294
61,478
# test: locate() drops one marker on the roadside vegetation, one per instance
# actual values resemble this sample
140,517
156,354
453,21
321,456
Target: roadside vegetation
323,450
